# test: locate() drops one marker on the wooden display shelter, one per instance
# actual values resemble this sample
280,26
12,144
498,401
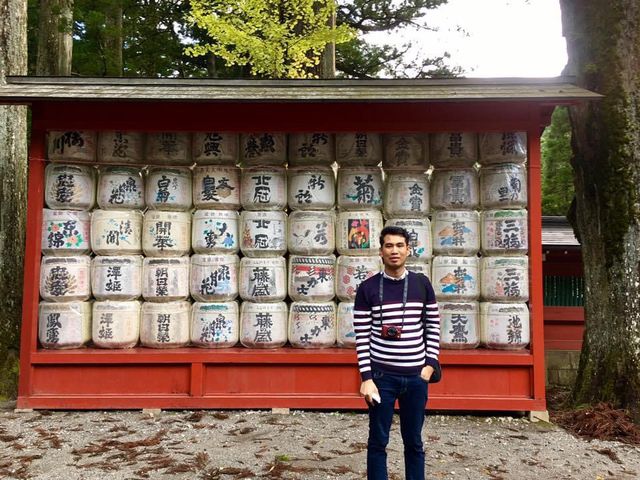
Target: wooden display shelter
92,378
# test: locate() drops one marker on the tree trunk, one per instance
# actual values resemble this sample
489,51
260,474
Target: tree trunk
603,42
13,191
114,41
55,41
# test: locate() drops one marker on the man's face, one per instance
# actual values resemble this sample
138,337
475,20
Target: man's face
394,251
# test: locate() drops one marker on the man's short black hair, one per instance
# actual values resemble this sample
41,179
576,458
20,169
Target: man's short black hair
393,230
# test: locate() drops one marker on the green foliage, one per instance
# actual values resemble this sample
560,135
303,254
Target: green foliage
557,173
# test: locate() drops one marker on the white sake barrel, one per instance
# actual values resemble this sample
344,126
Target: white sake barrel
65,232
503,186
358,148
116,277
263,148
215,231
455,278
120,187
69,187
504,326
122,148
313,149
166,234
65,279
165,279
215,325
312,232
168,148
455,189
456,232
418,266
504,232
351,272
165,325
405,152
64,325
453,149
406,195
503,147
346,336
168,188
216,187
312,278
459,325
215,148
264,188
115,324
312,325
263,325
359,188
116,232
358,232
311,188
264,234
263,279
419,230
75,145
214,278
504,279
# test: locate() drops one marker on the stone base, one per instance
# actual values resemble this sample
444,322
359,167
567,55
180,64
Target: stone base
562,367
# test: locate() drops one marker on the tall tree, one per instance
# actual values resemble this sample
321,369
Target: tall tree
55,43
557,174
603,43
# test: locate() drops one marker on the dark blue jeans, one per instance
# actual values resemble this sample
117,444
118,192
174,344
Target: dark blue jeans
411,393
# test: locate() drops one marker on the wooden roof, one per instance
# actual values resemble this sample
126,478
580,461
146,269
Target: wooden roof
557,232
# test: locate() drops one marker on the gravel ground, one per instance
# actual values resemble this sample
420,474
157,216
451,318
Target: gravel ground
225,445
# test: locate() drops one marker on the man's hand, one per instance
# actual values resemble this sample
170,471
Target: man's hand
368,388
426,373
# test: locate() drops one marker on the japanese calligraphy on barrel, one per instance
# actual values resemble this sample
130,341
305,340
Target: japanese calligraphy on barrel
69,187
456,232
74,145
311,188
504,279
311,232
122,148
459,325
453,149
312,325
115,324
360,188
263,325
64,325
406,195
65,279
264,234
215,148
214,278
311,278
503,147
165,279
65,232
165,325
214,325
504,232
168,188
455,189
504,326
166,234
358,232
116,232
263,279
116,277
120,187
503,186
216,187
263,188
455,278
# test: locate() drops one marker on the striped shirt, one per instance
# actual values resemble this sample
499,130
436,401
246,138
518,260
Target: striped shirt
418,345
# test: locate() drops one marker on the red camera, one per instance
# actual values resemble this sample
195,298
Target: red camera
391,331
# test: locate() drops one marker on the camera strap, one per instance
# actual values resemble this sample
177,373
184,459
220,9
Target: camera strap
405,291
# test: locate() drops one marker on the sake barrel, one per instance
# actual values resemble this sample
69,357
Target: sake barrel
264,234
504,279
64,325
168,148
263,279
360,188
456,232
358,148
504,232
405,152
419,230
75,145
455,189
120,187
311,188
453,149
346,336
168,188
419,266
263,148
503,147
455,278
459,325
116,277
166,234
116,232
119,147
358,232
165,279
504,326
65,279
263,188
69,187
263,325
215,231
352,271
115,324
503,186
65,232
214,278
312,278
215,325
216,187
312,149
215,148
312,325
311,232
406,195
165,325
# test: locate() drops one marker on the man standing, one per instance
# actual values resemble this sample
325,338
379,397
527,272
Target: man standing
397,353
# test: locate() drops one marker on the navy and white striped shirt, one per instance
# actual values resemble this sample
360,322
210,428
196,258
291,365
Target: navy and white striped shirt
418,345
